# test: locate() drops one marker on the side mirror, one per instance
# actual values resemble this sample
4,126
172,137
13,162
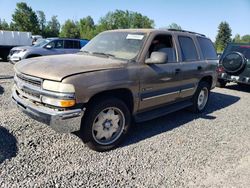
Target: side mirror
233,62
157,58
48,46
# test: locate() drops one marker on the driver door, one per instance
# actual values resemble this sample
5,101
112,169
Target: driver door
160,83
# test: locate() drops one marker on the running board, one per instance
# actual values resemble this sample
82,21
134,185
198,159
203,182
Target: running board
162,111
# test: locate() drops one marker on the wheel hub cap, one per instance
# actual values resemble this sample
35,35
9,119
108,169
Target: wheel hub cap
108,126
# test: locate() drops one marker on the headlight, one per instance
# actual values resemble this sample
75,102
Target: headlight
58,87
58,102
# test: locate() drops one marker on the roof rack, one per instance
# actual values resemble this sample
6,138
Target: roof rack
187,32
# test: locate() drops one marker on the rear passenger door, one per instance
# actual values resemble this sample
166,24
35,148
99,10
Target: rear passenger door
71,46
191,65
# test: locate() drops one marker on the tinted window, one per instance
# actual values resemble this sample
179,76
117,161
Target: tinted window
188,49
244,49
207,48
76,44
68,44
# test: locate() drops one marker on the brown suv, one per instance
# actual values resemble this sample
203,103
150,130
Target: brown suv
118,76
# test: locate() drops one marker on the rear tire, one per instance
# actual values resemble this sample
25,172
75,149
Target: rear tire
201,97
221,83
105,124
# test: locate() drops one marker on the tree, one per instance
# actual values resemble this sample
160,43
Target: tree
25,19
4,25
42,22
123,20
87,28
245,39
53,27
70,29
223,37
174,26
237,38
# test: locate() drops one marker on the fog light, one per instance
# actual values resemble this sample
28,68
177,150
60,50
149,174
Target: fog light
58,102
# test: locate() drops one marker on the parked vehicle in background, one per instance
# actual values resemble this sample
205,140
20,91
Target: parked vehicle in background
36,38
10,39
234,65
49,46
119,75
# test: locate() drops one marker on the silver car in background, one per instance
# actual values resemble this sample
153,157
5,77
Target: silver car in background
49,46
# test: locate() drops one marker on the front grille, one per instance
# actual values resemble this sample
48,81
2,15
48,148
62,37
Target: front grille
30,80
28,86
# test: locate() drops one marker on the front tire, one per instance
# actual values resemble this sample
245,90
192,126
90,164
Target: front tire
201,97
105,124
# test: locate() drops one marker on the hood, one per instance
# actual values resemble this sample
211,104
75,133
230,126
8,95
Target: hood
22,47
59,66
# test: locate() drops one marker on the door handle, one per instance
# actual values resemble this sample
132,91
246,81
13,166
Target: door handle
177,71
199,68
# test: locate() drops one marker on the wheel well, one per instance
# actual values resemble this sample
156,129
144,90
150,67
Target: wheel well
208,79
33,55
123,94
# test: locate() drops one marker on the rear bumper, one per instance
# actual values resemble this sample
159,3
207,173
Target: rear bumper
232,78
60,121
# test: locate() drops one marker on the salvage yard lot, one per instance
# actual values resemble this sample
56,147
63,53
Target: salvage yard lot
179,150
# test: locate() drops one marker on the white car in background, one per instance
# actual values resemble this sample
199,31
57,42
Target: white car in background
49,46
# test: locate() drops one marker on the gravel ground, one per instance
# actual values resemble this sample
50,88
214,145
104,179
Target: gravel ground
179,150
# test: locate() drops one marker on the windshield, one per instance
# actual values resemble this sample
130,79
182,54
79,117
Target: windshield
42,42
123,45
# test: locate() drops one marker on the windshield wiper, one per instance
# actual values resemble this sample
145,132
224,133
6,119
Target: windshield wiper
105,54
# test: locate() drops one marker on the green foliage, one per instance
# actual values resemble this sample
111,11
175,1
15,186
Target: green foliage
4,25
42,22
25,19
174,26
52,29
223,37
123,20
70,29
87,28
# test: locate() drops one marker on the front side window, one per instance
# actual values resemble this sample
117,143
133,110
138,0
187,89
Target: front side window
56,44
163,43
188,49
122,45
207,48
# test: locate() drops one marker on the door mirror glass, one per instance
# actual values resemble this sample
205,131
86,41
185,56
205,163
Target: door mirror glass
157,58
48,46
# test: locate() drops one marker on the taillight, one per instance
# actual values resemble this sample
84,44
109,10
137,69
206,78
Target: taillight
220,69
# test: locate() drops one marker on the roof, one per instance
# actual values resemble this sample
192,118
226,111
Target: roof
155,30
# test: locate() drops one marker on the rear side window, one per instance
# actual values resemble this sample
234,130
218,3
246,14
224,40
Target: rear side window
188,49
76,44
207,48
68,44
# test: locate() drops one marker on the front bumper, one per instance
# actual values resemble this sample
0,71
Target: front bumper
232,78
14,59
61,121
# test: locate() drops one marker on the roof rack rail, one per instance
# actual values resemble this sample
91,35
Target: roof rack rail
180,30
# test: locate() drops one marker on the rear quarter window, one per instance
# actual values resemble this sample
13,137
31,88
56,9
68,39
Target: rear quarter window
188,49
207,48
